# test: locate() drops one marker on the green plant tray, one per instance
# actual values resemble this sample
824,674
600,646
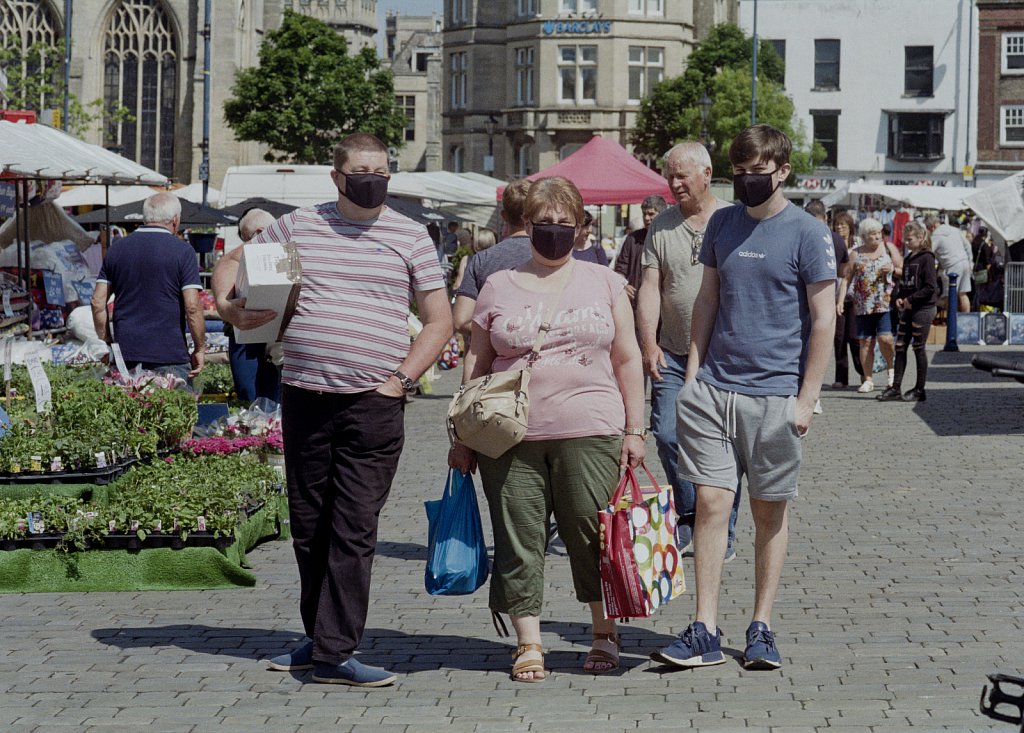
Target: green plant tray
147,568
94,476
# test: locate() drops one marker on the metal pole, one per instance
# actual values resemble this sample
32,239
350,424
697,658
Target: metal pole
970,59
67,65
204,166
951,311
753,74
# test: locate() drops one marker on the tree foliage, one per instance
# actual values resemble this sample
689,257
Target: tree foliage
720,67
307,93
35,82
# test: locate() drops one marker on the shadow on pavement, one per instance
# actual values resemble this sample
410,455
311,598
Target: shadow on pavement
396,650
972,412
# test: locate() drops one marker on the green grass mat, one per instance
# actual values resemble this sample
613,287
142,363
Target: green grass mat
190,568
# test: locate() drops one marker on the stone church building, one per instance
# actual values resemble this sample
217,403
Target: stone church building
148,55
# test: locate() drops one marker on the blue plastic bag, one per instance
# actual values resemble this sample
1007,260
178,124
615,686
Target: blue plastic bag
456,552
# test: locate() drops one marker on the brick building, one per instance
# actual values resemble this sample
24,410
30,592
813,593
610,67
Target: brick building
1000,88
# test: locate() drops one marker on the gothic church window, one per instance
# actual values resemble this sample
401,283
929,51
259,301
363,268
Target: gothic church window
141,73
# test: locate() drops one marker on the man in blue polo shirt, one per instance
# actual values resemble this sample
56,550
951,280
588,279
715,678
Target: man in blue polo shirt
154,278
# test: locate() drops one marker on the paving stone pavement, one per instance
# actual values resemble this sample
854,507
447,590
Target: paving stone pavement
903,589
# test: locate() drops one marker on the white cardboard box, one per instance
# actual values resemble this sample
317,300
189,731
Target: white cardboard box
268,278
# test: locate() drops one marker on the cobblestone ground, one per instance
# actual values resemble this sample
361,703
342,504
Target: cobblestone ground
902,591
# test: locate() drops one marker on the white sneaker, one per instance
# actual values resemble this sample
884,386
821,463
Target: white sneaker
867,386
817,408
891,374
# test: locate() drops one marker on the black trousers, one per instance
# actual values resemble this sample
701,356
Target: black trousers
846,338
341,453
912,331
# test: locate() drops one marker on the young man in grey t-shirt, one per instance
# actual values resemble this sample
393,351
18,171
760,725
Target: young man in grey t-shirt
762,330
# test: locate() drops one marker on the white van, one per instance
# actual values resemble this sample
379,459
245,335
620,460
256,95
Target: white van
298,185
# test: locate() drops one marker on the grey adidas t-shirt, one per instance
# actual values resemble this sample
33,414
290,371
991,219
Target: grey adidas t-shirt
759,341
507,254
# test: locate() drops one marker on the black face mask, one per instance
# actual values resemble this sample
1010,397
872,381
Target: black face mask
553,241
753,189
365,190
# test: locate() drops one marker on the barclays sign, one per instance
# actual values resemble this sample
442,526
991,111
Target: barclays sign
576,27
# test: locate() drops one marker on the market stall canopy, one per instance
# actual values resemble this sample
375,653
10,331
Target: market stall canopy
192,215
461,196
940,198
47,222
40,151
276,209
194,192
1001,205
605,173
94,194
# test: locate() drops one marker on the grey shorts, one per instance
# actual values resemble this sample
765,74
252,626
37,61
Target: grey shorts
724,436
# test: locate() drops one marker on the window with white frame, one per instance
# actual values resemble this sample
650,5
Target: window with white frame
460,12
1013,53
646,7
526,7
577,74
1011,127
578,6
646,68
458,65
524,75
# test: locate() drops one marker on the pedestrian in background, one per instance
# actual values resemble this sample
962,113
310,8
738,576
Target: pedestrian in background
485,239
154,278
873,265
915,298
587,248
671,280
629,261
254,375
846,339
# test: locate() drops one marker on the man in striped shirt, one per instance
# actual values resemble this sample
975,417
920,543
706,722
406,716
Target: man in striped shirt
347,368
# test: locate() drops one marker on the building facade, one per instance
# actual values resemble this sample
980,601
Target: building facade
148,55
884,86
412,50
528,82
1000,89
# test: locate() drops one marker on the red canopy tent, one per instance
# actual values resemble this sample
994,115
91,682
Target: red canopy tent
605,173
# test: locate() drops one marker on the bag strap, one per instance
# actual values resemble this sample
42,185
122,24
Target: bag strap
545,325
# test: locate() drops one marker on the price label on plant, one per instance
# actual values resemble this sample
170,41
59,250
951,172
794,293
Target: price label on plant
8,348
40,382
8,311
119,359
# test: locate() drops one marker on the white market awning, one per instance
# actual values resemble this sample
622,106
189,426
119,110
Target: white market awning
194,192
1001,205
39,151
94,194
941,198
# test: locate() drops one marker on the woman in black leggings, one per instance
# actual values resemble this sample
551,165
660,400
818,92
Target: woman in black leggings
915,299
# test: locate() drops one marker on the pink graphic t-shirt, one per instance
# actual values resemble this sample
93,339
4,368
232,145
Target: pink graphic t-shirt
573,391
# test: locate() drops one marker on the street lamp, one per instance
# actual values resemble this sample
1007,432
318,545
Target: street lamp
705,103
489,126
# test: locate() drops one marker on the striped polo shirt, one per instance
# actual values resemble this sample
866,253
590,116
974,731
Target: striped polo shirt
350,328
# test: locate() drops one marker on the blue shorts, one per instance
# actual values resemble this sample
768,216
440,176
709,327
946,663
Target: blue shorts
874,324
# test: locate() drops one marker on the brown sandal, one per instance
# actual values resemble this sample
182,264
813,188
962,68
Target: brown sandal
608,655
528,665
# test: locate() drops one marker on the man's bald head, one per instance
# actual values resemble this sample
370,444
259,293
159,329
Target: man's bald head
253,222
163,210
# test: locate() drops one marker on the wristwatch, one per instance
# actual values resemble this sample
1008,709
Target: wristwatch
642,432
407,384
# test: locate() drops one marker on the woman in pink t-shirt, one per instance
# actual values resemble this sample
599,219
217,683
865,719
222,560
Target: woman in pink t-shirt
585,423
